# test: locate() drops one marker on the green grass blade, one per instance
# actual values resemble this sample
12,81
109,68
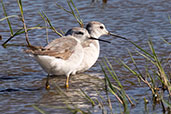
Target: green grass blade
70,5
120,93
111,89
4,44
24,24
75,8
146,57
79,18
72,11
166,103
20,31
169,19
63,8
165,41
38,109
107,78
152,49
7,17
160,68
20,6
147,54
141,49
135,65
152,80
49,22
88,97
112,73
5,13
42,16
128,68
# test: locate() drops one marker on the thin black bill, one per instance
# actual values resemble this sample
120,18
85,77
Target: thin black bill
92,38
117,36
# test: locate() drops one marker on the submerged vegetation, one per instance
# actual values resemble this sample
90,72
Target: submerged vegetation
156,76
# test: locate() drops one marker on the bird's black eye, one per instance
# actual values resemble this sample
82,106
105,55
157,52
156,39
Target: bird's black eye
81,33
101,27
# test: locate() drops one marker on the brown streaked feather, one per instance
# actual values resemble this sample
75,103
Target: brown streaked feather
59,48
33,48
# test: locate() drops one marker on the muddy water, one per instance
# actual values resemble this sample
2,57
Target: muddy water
22,80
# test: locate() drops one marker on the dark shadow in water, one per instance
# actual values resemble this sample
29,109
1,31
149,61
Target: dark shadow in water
20,89
8,78
9,90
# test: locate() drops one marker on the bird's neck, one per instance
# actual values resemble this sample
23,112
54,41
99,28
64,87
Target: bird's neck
94,34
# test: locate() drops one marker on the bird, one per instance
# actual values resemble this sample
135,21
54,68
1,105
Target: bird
91,47
63,55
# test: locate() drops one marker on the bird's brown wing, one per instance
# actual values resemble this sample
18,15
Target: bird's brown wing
59,48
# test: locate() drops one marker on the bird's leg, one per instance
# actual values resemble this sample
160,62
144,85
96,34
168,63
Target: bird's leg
47,82
67,82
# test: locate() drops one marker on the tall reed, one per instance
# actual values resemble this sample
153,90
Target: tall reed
73,11
20,31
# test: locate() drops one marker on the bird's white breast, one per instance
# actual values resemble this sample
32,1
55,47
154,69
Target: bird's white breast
91,54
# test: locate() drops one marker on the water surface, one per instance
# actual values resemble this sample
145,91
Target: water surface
22,80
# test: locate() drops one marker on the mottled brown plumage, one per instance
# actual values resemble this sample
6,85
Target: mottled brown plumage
59,48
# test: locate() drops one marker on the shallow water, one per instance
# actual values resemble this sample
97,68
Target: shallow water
22,80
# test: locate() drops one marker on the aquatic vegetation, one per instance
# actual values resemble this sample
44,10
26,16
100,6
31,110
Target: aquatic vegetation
47,20
156,77
73,11
20,31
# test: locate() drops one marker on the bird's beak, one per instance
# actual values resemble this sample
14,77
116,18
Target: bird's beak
109,33
92,38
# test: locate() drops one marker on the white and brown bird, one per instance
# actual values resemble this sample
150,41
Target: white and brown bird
91,47
62,56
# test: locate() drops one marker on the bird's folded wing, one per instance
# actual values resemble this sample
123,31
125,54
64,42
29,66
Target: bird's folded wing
59,48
